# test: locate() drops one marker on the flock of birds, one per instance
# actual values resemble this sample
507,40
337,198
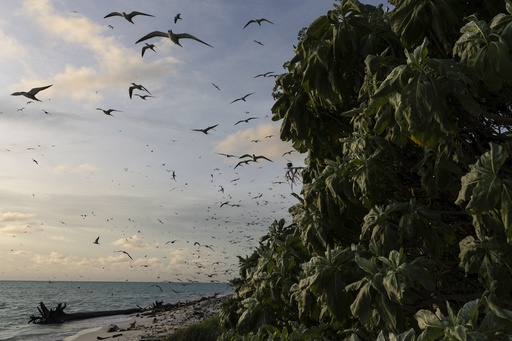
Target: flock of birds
247,218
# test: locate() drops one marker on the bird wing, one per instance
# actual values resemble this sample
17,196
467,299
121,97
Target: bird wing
130,90
248,95
263,19
189,36
211,127
144,50
238,99
113,14
36,90
263,157
152,35
134,13
240,122
250,21
245,155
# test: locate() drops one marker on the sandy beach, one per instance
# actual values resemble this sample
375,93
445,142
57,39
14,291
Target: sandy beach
154,323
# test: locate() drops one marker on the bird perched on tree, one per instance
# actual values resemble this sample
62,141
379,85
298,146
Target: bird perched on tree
258,21
205,130
175,37
32,93
127,16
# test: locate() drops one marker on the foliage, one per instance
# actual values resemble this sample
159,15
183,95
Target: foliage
403,226
208,329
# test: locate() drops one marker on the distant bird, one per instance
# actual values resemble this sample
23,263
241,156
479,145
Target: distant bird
126,253
35,161
97,241
127,16
32,93
46,112
156,285
258,21
255,158
138,87
171,241
242,98
177,17
288,152
148,46
259,43
175,37
264,74
197,243
216,86
242,162
227,155
143,96
108,111
246,120
205,130
111,27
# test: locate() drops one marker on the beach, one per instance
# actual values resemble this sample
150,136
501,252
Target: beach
154,323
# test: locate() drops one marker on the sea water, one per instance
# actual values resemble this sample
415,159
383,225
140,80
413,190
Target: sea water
20,299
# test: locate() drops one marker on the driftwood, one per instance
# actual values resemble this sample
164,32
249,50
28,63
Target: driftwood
57,315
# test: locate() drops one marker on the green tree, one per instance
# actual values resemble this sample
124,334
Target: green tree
403,230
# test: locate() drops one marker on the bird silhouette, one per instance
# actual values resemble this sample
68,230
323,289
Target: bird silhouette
259,42
242,98
108,111
177,17
143,96
126,253
227,155
32,93
205,130
148,46
216,86
175,37
97,241
127,16
264,74
138,87
246,120
258,21
254,157
156,285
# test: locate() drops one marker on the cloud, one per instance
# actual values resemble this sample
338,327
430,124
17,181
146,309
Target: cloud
108,61
83,168
62,239
19,229
241,142
15,216
11,49
134,242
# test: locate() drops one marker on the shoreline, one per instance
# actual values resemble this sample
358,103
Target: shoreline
154,323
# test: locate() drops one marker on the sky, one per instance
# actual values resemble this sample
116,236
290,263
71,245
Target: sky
70,173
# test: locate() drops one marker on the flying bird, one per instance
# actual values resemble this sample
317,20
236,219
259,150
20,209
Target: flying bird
205,130
264,74
126,253
254,157
35,161
127,16
258,21
227,155
138,87
108,111
246,120
175,37
259,43
216,86
242,98
156,285
148,46
177,17
97,241
143,96
32,93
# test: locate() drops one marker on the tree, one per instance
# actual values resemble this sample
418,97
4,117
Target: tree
403,229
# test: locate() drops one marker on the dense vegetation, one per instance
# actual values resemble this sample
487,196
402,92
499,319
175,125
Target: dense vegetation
206,330
403,229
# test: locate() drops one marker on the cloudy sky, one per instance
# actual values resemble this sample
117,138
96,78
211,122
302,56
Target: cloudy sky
69,173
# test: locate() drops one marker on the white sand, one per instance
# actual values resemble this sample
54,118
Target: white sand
148,325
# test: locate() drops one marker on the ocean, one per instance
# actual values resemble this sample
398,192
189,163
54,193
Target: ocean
20,299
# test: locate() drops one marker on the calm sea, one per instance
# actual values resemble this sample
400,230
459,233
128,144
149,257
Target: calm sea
20,299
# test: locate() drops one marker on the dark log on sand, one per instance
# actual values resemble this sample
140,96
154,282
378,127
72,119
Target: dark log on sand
58,315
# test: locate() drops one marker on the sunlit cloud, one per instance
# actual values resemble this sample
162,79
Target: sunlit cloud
19,229
83,168
11,49
262,139
15,216
132,242
62,239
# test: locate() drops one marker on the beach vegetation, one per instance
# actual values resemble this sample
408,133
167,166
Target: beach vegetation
208,329
403,225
